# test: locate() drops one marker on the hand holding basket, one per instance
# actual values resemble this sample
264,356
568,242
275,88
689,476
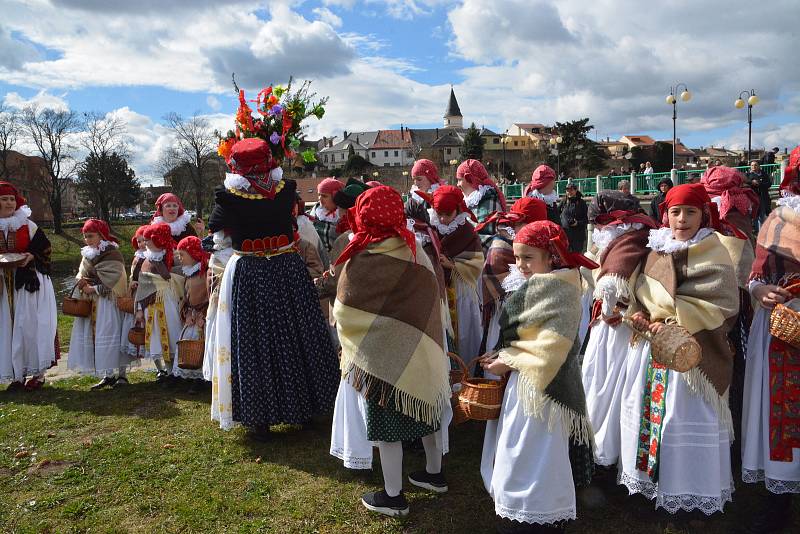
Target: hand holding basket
673,346
784,322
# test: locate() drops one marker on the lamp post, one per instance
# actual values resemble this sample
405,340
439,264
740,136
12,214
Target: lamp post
453,163
673,101
555,141
503,140
752,100
405,175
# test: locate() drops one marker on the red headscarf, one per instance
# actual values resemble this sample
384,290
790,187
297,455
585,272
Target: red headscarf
6,189
193,246
791,176
525,210
374,183
166,198
99,227
697,196
139,233
161,236
329,186
616,217
726,183
426,168
447,199
377,216
476,175
542,175
549,236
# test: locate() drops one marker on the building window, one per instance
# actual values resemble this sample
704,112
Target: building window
408,154
495,141
342,158
396,153
385,164
396,164
373,153
448,151
516,143
326,158
385,153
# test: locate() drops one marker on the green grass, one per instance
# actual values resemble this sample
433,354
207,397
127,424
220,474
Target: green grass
66,253
146,459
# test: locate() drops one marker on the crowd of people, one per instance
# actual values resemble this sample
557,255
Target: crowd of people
362,307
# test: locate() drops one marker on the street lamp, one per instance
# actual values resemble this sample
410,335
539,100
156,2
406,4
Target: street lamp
453,163
555,141
685,96
752,100
405,175
503,140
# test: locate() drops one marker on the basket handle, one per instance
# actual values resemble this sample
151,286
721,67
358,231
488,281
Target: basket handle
644,333
793,288
456,358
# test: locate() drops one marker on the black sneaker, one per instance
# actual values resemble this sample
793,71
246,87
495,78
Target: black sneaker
161,376
380,502
423,479
107,381
121,382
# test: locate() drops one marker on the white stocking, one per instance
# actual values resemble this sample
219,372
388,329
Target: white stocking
392,466
433,455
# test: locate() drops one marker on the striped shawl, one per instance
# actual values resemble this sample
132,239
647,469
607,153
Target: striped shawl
464,248
778,248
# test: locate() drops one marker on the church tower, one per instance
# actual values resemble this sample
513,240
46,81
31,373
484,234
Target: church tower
452,116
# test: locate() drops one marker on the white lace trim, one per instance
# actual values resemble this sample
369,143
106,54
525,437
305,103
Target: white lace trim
790,201
239,182
16,221
474,198
351,462
321,215
445,229
514,280
154,256
753,476
418,198
611,289
139,254
507,229
189,271
661,240
221,241
673,503
91,253
176,227
602,237
549,199
540,518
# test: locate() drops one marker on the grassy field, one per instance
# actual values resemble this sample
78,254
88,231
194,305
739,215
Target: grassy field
148,459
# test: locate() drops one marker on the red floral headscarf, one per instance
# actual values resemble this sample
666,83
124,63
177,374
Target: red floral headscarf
547,235
447,199
7,189
99,227
525,210
377,216
697,196
166,198
726,183
194,247
161,236
426,168
139,233
542,175
791,176
476,175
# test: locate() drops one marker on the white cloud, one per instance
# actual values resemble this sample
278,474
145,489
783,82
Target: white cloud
13,52
213,102
42,100
780,135
327,16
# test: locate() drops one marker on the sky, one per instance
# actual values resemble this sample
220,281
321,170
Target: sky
392,62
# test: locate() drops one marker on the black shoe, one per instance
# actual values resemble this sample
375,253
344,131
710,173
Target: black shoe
380,502
107,381
774,516
423,479
161,376
121,382
196,386
15,386
259,433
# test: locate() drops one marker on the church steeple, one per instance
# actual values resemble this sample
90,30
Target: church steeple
452,115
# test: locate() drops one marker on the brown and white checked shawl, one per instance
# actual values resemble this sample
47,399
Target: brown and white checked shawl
388,316
108,269
620,262
696,288
499,256
778,248
464,247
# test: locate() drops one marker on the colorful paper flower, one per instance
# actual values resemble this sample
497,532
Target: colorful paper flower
275,138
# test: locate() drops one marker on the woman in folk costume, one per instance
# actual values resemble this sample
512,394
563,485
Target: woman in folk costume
543,187
170,210
770,440
388,317
275,357
95,346
128,319
326,215
500,260
194,266
676,427
461,257
157,300
28,342
526,452
619,246
426,178
481,194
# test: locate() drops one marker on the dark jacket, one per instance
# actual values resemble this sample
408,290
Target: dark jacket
574,219
655,213
762,190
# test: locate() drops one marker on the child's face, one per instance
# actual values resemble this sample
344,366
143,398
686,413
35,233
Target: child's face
151,246
8,205
186,259
446,218
421,182
91,239
531,260
684,221
140,240
326,201
547,189
170,211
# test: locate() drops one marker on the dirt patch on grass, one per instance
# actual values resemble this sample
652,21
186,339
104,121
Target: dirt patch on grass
49,468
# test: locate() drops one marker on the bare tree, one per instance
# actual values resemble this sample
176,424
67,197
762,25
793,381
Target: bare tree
9,133
103,135
174,170
195,144
53,134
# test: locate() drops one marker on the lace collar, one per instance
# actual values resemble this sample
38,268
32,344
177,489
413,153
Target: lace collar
418,198
514,280
139,254
445,229
549,199
91,253
16,221
154,256
221,241
321,215
661,240
602,237
790,201
189,271
176,227
507,229
474,198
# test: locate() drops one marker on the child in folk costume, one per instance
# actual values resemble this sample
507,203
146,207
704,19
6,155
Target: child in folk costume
128,319
462,260
158,297
676,428
194,265
620,246
543,187
426,178
388,317
95,345
221,252
326,215
499,261
170,210
771,442
481,194
28,342
526,452
304,225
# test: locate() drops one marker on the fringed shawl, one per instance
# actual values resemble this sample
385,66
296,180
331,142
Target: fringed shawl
108,268
389,319
619,264
499,256
777,255
464,248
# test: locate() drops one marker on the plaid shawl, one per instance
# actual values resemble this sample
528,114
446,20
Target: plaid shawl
489,203
388,315
620,262
464,248
696,288
499,256
108,269
778,248
539,335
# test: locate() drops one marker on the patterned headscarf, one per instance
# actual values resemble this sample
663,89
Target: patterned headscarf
194,247
134,239
99,227
791,176
426,168
447,199
476,175
377,216
542,175
166,198
549,236
525,210
7,189
161,236
726,183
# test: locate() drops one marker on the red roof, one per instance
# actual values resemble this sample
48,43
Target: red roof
640,140
393,139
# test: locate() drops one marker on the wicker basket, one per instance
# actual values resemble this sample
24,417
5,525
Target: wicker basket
125,304
76,307
784,322
457,376
136,336
673,346
481,398
190,353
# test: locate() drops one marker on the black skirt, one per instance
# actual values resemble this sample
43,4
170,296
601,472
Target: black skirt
284,368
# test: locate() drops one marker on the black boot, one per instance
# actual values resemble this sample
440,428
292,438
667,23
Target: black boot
774,515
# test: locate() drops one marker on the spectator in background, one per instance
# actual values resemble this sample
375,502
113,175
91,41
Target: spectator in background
717,163
622,171
574,218
760,181
648,172
663,186
769,157
625,188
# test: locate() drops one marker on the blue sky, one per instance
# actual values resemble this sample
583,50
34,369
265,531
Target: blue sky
384,63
